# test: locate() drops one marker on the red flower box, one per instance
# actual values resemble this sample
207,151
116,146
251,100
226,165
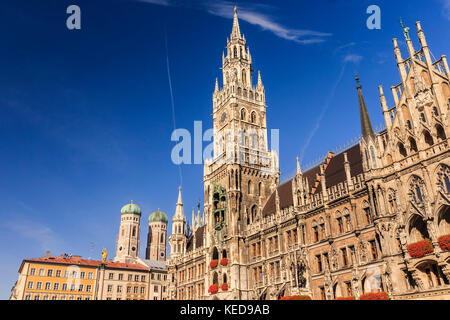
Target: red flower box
420,249
374,296
213,264
444,242
224,262
213,289
296,297
224,287
345,298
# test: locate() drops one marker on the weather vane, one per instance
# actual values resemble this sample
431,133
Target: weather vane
405,29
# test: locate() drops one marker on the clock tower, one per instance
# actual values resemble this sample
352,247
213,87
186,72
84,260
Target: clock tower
243,172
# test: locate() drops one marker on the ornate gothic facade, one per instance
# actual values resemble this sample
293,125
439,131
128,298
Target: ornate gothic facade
349,226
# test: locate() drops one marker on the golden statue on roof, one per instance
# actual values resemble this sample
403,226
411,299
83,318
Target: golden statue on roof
104,255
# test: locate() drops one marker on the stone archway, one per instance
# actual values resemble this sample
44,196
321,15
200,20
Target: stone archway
443,222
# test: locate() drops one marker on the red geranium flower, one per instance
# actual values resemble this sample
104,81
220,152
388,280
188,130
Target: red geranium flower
213,289
224,287
420,249
444,242
224,262
374,296
213,264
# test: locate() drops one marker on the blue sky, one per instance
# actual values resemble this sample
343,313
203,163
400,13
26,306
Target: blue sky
86,115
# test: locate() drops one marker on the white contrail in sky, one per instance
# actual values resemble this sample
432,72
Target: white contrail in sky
324,110
171,99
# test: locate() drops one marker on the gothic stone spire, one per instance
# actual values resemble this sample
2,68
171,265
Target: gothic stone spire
366,125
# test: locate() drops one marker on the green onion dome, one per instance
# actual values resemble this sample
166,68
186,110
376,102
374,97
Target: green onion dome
131,208
158,216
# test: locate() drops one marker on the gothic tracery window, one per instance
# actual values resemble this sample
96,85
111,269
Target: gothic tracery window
416,190
392,201
443,178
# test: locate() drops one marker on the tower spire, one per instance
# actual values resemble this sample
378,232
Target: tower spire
236,32
179,213
366,125
299,170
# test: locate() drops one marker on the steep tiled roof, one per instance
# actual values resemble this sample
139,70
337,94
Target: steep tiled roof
87,263
334,174
198,239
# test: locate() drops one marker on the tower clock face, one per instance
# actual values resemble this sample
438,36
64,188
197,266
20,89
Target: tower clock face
224,117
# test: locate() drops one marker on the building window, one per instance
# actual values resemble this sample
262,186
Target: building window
36,297
119,288
316,234
340,225
344,256
74,274
28,297
348,289
49,273
367,215
58,273
322,293
66,274
30,285
348,223
91,275
72,287
319,263
129,289
88,288
120,276
142,290
32,271
373,248
136,278
109,288
111,276
430,278
82,274
135,289
435,111
47,285
64,287
142,278
41,272
322,231
39,286
130,277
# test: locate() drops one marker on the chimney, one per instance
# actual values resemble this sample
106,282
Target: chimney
47,255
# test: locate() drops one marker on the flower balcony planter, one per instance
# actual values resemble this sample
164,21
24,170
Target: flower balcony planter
345,298
420,249
224,262
444,242
224,287
374,296
297,297
213,289
213,264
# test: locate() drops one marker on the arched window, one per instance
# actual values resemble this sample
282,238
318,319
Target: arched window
215,255
224,278
402,150
249,189
422,117
315,229
244,77
134,231
254,211
323,232
243,114
408,124
253,117
259,189
435,111
367,213
444,221
224,254
428,138
235,52
162,238
417,229
392,201
416,190
443,179
440,133
347,221
412,144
